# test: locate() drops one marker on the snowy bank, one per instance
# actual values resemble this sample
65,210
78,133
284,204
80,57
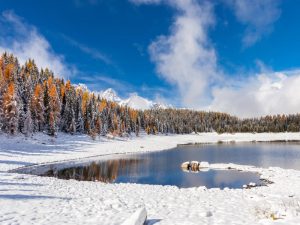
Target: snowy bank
31,199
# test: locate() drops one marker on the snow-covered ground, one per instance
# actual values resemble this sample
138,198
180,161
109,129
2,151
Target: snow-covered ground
28,199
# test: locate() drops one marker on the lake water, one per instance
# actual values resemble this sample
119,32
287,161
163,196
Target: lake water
264,154
163,167
147,170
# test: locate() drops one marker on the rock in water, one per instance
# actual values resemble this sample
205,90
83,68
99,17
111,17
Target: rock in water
195,166
185,165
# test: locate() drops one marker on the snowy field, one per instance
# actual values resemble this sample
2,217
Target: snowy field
27,199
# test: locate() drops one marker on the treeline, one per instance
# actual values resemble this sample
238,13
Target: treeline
33,100
181,121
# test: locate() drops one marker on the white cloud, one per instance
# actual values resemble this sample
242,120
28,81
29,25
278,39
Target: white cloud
263,94
184,57
258,15
24,41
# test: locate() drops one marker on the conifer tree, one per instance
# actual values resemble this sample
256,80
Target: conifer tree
36,101
37,108
68,113
2,90
28,124
79,123
10,110
54,108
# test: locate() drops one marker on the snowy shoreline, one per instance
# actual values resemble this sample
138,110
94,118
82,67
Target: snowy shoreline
32,199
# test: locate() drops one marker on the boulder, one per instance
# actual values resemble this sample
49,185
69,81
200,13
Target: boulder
185,165
195,166
137,218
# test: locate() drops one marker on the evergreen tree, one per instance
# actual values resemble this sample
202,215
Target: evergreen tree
10,110
28,124
2,91
67,115
54,108
79,123
35,101
38,109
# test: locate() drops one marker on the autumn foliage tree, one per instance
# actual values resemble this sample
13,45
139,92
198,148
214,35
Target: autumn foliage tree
37,108
33,100
53,108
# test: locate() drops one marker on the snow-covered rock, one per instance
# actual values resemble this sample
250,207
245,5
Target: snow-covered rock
110,95
137,218
185,165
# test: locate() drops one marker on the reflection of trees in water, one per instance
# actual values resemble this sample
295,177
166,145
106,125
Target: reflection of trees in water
106,171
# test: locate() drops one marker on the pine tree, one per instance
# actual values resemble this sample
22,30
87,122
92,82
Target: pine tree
28,124
32,70
72,126
46,102
36,101
37,108
10,110
79,123
2,90
24,90
68,113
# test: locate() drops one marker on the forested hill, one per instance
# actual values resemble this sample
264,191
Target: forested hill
33,100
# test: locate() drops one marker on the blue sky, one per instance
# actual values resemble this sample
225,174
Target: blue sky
188,53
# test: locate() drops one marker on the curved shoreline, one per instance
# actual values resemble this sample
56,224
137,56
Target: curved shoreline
46,198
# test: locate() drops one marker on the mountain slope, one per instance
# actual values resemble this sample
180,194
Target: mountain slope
134,101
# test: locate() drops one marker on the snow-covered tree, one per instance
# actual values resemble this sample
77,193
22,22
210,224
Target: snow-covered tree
37,108
36,101
2,90
54,108
10,110
79,123
28,124
68,112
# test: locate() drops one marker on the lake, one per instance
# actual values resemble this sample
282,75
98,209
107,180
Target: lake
163,167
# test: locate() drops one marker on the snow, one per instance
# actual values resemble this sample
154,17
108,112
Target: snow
204,164
110,95
137,218
29,199
134,101
137,102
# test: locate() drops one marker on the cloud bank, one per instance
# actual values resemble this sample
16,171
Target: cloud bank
262,94
24,41
186,59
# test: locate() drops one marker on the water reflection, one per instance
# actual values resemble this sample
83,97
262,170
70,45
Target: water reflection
107,171
284,155
145,169
164,168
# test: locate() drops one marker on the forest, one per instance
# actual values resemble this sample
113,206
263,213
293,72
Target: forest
34,100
